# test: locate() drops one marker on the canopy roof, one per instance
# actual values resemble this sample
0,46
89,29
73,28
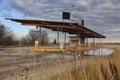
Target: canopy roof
72,28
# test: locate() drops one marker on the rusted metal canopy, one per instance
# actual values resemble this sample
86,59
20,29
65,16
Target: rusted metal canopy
72,28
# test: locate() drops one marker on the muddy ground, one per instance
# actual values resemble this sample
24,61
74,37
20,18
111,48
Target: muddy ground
16,60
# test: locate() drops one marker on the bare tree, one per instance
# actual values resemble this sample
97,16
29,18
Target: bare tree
23,41
44,37
33,36
6,36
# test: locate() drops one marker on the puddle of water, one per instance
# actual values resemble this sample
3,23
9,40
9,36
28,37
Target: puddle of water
96,52
100,51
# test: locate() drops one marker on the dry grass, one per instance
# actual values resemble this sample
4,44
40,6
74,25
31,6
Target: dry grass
87,68
97,68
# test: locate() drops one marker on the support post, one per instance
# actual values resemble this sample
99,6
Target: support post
40,35
79,41
77,45
94,42
65,39
99,41
57,35
87,42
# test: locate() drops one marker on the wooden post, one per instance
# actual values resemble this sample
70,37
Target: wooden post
94,42
65,39
57,35
40,29
79,41
101,41
87,42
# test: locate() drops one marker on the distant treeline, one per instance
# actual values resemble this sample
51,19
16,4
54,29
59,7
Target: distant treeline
8,38
32,36
111,43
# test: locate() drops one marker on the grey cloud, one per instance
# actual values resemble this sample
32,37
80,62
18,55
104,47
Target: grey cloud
34,9
115,1
98,10
45,7
99,15
4,9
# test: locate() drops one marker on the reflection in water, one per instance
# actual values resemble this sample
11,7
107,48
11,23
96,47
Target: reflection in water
100,51
71,54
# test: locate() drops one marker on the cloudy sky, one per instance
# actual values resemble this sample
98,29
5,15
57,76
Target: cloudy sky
102,16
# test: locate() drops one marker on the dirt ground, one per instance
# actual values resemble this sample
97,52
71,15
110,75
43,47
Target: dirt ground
16,60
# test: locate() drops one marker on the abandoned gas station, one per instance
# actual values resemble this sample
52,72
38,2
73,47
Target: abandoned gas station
80,41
